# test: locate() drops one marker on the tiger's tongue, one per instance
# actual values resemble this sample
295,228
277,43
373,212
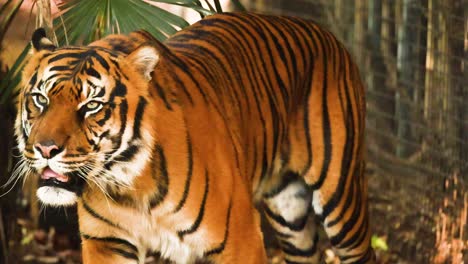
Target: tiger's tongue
50,174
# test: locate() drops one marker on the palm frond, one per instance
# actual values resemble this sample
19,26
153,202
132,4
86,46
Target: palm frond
12,78
82,21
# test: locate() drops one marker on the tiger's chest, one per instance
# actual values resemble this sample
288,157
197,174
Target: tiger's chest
170,246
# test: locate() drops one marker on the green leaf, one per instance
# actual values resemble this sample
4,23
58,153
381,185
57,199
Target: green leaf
9,84
238,5
27,238
379,243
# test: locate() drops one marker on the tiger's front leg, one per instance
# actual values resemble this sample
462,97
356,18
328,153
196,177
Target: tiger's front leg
97,250
243,238
103,238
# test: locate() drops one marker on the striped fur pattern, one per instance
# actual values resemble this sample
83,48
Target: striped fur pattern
165,147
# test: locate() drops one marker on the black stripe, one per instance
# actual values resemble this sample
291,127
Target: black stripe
189,175
287,178
138,117
64,56
295,226
127,154
163,179
184,69
113,240
33,79
102,121
292,250
123,121
119,90
59,68
220,248
162,95
125,254
117,140
201,212
282,236
100,217
92,72
364,258
101,60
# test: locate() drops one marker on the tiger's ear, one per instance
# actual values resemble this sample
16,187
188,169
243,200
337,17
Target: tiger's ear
41,42
144,59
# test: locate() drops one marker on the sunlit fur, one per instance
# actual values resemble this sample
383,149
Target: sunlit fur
234,109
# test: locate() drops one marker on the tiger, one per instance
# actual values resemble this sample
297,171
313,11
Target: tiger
167,147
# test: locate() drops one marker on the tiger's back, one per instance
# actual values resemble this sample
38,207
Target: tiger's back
239,107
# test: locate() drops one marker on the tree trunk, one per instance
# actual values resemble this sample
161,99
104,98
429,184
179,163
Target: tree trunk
407,62
389,86
419,92
381,97
432,95
457,108
360,19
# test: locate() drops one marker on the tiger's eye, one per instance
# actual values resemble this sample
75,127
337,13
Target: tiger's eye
41,99
92,105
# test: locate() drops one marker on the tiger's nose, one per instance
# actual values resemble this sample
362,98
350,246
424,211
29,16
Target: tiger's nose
48,148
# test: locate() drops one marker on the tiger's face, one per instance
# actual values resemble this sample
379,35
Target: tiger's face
81,118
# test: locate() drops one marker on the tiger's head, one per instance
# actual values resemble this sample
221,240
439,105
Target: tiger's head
83,118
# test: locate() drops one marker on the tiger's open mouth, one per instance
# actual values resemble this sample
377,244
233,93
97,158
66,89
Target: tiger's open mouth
69,182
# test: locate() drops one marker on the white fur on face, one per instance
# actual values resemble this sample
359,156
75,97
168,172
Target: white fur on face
55,196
